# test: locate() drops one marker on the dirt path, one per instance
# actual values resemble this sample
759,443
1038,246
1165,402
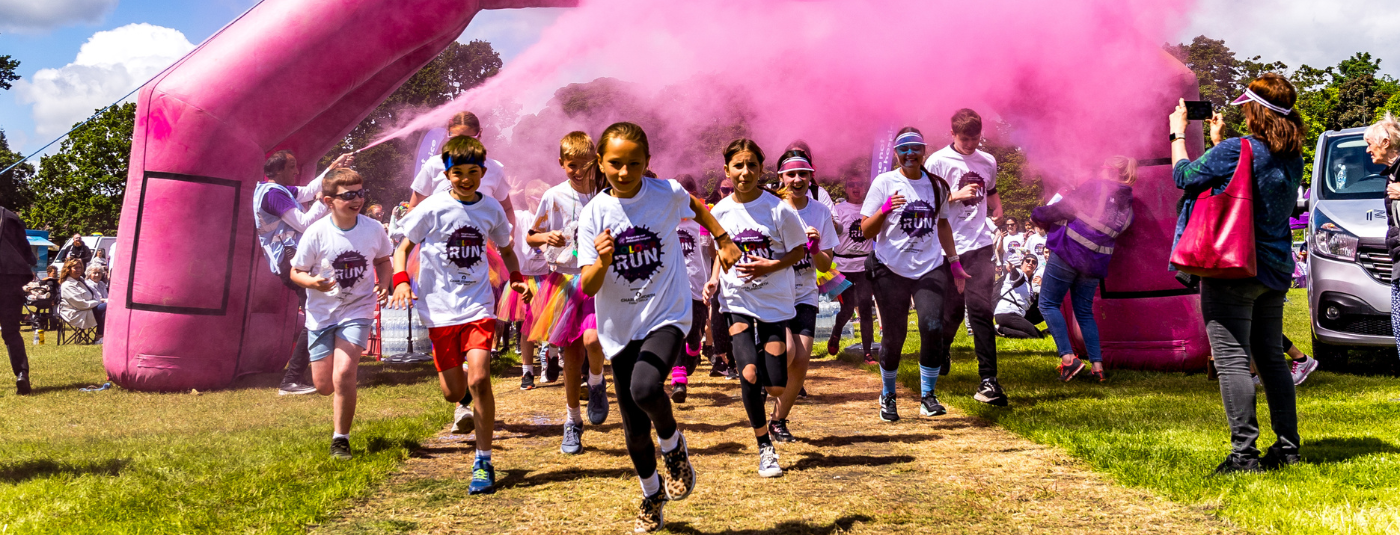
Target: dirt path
850,472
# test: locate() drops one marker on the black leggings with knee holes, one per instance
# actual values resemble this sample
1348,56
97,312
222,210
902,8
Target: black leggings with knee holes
639,372
750,348
893,294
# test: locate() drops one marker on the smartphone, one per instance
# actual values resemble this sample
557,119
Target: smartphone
1199,110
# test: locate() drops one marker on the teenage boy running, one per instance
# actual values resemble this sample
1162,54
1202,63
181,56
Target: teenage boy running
453,228
972,174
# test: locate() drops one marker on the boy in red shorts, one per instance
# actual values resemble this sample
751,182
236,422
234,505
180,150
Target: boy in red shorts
454,228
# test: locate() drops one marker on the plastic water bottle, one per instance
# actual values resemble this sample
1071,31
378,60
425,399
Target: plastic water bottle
328,271
36,334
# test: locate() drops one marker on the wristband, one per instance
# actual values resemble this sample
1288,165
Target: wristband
722,237
812,247
401,278
515,277
889,205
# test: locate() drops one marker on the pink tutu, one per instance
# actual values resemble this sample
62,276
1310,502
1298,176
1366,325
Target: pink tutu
562,311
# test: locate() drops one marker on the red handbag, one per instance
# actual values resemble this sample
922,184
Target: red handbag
1218,241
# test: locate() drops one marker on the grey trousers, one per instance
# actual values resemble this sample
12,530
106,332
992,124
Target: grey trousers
1244,320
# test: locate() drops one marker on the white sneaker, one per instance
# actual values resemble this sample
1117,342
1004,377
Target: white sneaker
463,421
1302,370
768,462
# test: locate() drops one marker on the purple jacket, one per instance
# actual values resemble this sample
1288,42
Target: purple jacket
1083,227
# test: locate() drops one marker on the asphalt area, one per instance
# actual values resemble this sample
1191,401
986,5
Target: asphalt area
849,472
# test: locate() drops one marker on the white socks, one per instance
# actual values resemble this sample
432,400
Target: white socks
345,436
651,485
574,416
595,380
483,454
669,444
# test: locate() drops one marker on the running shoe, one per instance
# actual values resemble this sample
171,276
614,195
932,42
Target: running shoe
779,431
1098,375
929,406
1301,370
527,381
463,420
483,477
870,360
551,368
1068,371
833,347
888,411
598,403
22,387
802,394
679,477
716,367
651,517
990,393
1278,457
340,449
678,393
731,373
1237,463
768,461
295,389
573,439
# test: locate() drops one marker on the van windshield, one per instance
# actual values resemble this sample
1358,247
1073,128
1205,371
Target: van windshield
1349,173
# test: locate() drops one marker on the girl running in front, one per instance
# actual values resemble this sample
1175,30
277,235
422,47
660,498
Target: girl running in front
850,261
906,213
758,293
632,266
796,172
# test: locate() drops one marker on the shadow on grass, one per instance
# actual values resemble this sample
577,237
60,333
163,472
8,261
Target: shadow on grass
841,525
817,460
547,430
27,470
839,441
396,375
1340,449
378,444
723,448
518,478
44,389
716,399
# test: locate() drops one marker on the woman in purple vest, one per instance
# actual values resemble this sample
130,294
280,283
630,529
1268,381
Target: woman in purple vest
1082,230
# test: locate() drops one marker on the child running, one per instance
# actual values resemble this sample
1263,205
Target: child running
699,250
758,293
349,256
914,260
633,268
797,174
454,227
566,313
850,261
514,309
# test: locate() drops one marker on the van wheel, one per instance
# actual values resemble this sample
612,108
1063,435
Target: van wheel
1329,357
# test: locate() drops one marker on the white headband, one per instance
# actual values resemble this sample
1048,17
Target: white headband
1250,95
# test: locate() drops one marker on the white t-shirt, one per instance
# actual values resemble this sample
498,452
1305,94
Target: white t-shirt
646,287
1014,298
853,247
823,197
532,260
766,227
560,208
432,178
1035,246
908,242
698,247
1012,244
968,218
351,254
804,274
454,279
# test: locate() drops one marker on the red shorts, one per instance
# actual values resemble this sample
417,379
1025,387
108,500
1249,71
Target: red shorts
451,343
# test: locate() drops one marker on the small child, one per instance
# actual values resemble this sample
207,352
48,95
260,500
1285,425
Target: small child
340,313
454,227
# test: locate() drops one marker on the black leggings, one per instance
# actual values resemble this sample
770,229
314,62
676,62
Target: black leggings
719,331
639,373
857,296
771,370
1017,326
699,315
893,294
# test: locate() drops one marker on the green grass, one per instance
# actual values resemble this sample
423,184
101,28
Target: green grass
1166,432
236,460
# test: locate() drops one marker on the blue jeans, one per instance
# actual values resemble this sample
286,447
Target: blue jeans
1060,279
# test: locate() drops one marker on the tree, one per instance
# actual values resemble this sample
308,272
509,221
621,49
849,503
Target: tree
7,71
14,184
80,189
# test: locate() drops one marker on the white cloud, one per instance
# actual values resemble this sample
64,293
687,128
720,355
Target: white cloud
1298,32
110,64
39,15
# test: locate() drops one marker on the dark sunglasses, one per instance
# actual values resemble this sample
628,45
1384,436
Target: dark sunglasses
352,195
726,190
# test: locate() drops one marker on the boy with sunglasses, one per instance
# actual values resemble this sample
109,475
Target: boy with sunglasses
345,259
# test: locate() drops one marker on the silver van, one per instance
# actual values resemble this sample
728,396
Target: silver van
1348,268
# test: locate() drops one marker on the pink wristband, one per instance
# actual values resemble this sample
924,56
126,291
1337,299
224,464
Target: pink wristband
889,205
813,246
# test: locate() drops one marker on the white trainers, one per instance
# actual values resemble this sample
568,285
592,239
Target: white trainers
1302,370
768,462
463,422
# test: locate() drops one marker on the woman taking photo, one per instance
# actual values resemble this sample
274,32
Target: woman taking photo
1244,317
1082,230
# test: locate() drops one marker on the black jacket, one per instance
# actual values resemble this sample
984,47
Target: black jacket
16,256
1392,211
78,250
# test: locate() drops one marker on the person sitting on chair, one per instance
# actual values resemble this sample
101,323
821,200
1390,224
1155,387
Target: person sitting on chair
80,306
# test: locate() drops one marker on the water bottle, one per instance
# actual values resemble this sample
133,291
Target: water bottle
41,337
36,334
328,271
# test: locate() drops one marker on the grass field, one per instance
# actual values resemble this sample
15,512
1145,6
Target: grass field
1165,432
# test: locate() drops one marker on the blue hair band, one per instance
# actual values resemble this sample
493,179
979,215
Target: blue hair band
450,162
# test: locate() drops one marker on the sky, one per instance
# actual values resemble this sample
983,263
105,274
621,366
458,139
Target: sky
80,55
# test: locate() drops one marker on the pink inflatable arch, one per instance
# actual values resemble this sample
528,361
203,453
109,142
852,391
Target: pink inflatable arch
193,304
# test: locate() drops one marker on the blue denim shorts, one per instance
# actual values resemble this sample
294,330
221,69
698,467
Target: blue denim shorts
322,342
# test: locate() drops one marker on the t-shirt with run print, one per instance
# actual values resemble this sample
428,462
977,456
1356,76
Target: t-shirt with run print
698,247
767,228
560,208
853,247
968,218
351,253
804,274
454,280
645,288
908,242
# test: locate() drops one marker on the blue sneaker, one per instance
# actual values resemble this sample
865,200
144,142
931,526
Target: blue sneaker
483,477
573,439
598,403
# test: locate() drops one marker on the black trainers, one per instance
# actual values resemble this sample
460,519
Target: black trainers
779,431
990,393
716,367
22,385
929,406
340,449
651,517
527,381
551,369
679,478
678,393
731,373
1278,457
888,411
597,402
1237,463
802,394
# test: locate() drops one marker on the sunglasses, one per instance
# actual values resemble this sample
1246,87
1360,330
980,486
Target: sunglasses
726,190
352,195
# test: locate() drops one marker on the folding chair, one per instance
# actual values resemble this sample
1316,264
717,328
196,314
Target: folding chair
68,334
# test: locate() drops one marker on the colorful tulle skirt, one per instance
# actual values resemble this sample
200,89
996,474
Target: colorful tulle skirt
561,310
831,283
512,306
